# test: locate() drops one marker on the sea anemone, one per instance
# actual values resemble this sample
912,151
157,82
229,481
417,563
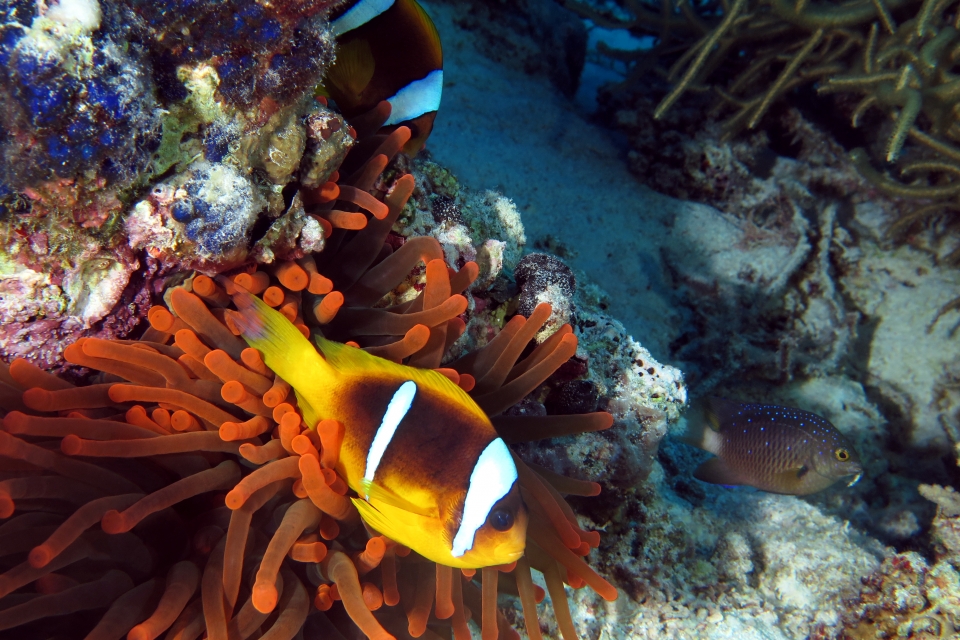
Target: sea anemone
219,510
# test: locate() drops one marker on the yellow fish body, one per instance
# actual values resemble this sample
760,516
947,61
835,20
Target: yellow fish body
428,467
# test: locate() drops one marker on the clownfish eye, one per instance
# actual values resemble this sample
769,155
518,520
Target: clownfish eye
842,455
501,519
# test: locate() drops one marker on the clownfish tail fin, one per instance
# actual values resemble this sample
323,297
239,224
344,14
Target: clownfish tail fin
284,349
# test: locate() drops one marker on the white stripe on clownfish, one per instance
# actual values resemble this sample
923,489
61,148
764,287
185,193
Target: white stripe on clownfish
396,410
417,98
359,14
492,478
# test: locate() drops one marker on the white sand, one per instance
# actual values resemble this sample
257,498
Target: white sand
499,128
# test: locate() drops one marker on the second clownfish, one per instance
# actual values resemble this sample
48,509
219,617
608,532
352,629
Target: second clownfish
387,50
427,465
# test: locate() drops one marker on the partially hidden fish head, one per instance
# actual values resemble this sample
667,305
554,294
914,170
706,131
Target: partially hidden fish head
836,458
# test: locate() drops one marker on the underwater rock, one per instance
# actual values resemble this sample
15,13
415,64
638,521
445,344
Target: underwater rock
799,264
103,295
206,213
277,50
545,278
321,158
292,235
911,362
206,109
787,224
74,107
945,530
571,397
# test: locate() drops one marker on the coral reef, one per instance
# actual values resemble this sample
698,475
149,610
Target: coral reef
894,58
906,597
132,135
360,279
203,393
909,596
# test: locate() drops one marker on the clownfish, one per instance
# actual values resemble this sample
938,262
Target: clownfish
427,465
775,449
387,50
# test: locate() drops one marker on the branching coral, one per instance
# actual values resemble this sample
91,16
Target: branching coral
897,55
217,505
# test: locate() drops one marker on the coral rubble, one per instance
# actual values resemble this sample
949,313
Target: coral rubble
801,262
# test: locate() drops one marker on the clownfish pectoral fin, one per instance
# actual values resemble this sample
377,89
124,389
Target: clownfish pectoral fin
311,416
395,526
378,493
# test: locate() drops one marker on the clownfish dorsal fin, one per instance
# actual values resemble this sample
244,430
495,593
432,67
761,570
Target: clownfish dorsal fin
428,29
379,493
353,69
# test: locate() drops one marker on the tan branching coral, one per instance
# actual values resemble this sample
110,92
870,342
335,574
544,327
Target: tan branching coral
898,56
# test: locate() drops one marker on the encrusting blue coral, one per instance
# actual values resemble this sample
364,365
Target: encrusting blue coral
72,105
277,49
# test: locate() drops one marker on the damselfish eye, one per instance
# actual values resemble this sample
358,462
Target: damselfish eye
501,519
842,455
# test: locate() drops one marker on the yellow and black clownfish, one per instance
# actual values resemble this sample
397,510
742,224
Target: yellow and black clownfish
387,50
428,467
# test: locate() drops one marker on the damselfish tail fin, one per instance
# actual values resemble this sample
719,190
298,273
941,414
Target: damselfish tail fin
284,349
702,426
